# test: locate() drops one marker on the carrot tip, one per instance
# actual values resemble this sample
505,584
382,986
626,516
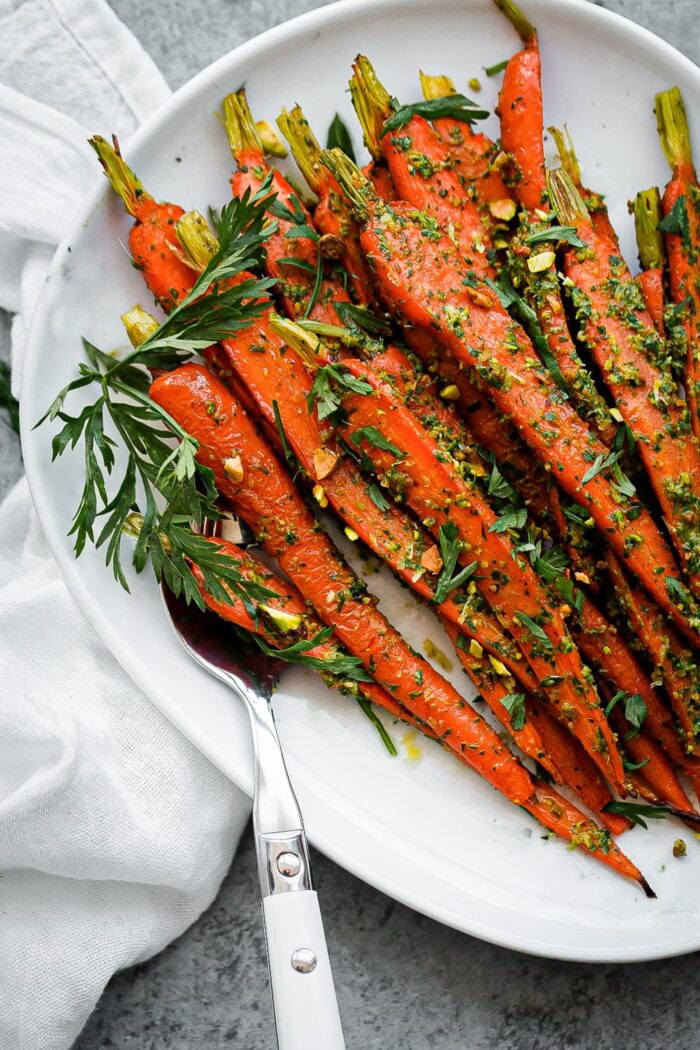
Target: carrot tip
648,892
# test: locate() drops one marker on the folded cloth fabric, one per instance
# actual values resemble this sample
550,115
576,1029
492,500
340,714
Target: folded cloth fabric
115,832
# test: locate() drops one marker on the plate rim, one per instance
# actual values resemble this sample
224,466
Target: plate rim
136,668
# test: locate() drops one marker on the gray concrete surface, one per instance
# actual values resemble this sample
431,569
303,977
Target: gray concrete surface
404,981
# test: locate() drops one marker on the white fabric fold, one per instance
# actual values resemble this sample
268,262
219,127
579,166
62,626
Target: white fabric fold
115,832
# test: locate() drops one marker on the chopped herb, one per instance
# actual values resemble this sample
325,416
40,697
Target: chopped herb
534,629
677,220
498,67
513,518
376,439
377,496
567,234
514,704
601,462
366,707
676,591
459,107
328,386
636,811
450,547
288,454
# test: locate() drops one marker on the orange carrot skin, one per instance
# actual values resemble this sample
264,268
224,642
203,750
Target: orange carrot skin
612,315
657,769
267,500
574,767
380,177
290,601
675,663
492,690
153,243
684,277
425,282
651,283
424,175
558,814
474,152
435,492
607,653
333,218
295,283
522,121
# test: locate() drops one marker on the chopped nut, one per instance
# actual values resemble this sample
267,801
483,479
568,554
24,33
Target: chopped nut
450,393
320,495
582,577
540,262
474,84
351,534
504,209
324,462
233,469
475,649
271,142
679,848
285,621
478,297
331,246
498,667
431,560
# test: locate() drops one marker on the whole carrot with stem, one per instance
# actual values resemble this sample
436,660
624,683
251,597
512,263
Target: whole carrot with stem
615,326
426,281
422,169
652,256
681,226
480,160
266,499
532,254
333,218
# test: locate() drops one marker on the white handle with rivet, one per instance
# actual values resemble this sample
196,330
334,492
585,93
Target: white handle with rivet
306,1008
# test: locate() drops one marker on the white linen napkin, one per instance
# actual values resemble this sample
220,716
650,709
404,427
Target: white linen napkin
115,832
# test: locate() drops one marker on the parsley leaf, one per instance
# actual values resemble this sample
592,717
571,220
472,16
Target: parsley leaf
457,106
514,704
556,234
601,462
512,518
677,221
676,591
329,385
636,812
376,439
377,496
450,547
534,629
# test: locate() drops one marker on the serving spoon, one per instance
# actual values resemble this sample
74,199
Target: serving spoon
303,993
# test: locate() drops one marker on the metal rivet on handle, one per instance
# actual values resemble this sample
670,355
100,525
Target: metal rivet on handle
303,960
288,864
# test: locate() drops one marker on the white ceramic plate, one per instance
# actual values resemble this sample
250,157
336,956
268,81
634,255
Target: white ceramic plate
426,831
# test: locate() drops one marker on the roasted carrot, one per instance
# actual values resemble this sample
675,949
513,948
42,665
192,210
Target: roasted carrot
650,245
333,218
532,254
264,496
295,253
408,461
422,169
480,161
426,281
681,206
152,240
380,177
615,325
675,663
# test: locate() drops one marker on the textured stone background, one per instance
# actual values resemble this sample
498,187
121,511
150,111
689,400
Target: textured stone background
403,980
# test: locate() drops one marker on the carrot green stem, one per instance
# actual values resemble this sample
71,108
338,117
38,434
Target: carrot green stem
139,325
304,145
241,132
647,216
122,178
305,343
673,127
566,199
436,87
356,187
196,237
372,103
331,331
525,29
567,153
